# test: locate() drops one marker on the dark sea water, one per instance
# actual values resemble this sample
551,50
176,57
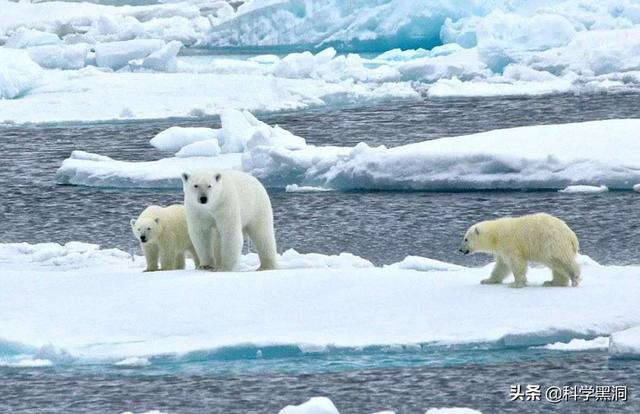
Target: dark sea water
381,226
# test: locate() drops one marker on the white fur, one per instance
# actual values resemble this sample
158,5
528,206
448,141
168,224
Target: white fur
235,204
539,238
165,235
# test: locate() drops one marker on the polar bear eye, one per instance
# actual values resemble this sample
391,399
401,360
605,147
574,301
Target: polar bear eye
209,186
195,186
465,239
149,228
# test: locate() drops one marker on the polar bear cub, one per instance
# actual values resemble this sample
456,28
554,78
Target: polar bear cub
539,238
222,206
162,233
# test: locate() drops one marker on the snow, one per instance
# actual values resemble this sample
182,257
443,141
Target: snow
599,343
543,157
18,74
315,405
626,344
51,291
423,264
584,189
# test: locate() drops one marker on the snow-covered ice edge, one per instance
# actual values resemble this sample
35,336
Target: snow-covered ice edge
76,302
572,156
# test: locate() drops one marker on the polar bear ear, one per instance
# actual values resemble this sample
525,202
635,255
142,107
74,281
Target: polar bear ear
132,222
477,231
185,177
157,220
217,177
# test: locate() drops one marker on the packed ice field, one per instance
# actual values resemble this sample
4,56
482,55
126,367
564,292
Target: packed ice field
82,62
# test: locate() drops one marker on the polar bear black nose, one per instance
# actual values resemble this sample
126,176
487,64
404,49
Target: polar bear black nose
143,239
203,200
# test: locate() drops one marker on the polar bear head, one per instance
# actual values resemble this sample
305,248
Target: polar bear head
202,187
146,228
472,241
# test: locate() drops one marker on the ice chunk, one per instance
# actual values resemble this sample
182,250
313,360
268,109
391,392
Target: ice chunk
452,410
27,363
601,342
133,362
60,56
295,188
636,188
18,73
163,60
174,138
116,55
23,38
207,148
625,344
315,405
584,189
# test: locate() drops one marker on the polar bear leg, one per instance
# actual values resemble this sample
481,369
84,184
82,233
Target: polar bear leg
265,242
230,247
167,260
194,256
518,267
201,239
498,274
179,260
217,247
151,256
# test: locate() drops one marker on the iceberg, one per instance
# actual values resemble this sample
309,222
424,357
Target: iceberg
322,302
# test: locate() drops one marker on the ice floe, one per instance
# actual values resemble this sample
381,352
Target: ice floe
625,344
544,157
599,343
315,405
49,292
584,189
18,74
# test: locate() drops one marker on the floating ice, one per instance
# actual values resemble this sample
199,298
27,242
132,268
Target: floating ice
601,342
452,410
295,188
133,362
163,60
60,56
321,301
584,189
545,157
207,148
174,138
315,405
625,344
636,188
536,157
18,73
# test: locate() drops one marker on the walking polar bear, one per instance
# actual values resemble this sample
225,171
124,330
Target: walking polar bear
162,233
539,238
221,207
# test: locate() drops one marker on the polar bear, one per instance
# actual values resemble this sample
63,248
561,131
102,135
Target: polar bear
162,232
539,238
222,206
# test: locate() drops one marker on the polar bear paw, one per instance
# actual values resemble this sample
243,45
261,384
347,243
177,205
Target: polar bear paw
517,284
207,267
490,281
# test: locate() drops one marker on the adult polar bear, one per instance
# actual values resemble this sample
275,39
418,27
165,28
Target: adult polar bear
221,207
539,238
